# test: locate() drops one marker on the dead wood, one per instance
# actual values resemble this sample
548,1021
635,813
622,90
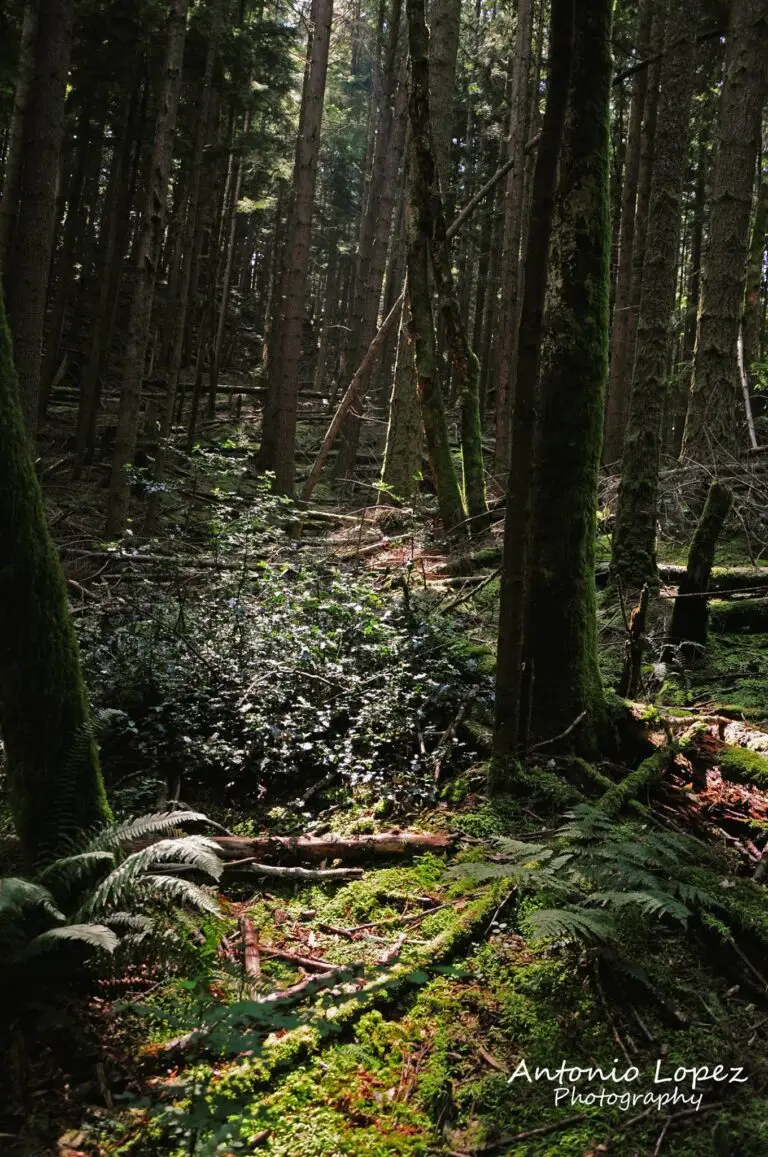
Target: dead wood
251,958
238,849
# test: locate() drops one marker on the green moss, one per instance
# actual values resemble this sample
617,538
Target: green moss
744,766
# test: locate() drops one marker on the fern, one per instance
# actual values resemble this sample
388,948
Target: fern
101,897
604,868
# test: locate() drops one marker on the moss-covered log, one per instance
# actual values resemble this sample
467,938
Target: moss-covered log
649,772
561,624
689,615
54,780
744,766
747,615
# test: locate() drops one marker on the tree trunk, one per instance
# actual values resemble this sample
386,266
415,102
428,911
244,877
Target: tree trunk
715,422
278,448
464,364
520,101
561,618
114,231
55,786
620,372
634,538
9,201
30,256
187,243
752,310
147,256
444,28
424,207
391,143
509,709
402,453
689,615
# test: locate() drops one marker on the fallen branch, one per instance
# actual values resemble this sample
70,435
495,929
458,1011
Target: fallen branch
236,849
448,736
296,873
251,958
312,962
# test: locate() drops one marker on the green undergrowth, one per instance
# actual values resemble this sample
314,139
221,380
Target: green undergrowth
733,679
419,1061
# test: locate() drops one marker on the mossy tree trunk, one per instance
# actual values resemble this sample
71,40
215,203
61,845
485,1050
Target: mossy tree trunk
561,627
634,539
715,422
752,304
402,453
509,709
424,210
54,780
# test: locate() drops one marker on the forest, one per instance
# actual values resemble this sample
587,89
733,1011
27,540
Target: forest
383,578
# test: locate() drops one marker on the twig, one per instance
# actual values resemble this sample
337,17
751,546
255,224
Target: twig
470,594
563,1123
562,735
678,1116
390,954
445,739
312,962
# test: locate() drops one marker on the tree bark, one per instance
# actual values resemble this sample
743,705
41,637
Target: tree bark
752,303
561,618
509,713
55,786
620,372
634,538
147,256
715,422
278,448
30,256
9,200
520,101
423,199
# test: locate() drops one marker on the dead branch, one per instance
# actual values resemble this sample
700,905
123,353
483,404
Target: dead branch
236,849
251,958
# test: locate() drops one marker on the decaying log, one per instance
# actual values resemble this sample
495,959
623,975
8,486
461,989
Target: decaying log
318,848
251,958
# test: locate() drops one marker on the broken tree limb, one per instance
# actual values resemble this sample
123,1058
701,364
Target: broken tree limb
629,683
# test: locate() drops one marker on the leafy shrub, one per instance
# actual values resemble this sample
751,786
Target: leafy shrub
271,675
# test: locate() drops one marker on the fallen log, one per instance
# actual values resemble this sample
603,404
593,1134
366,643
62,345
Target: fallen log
317,848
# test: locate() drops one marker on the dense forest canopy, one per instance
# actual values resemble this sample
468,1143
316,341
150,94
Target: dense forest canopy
383,576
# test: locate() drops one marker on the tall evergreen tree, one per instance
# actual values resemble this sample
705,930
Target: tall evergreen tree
713,429
634,538
54,779
561,623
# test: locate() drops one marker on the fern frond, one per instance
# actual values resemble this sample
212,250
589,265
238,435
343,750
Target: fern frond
96,935
70,872
649,903
16,895
196,851
157,824
184,891
571,924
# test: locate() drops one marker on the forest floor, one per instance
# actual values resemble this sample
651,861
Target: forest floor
341,684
